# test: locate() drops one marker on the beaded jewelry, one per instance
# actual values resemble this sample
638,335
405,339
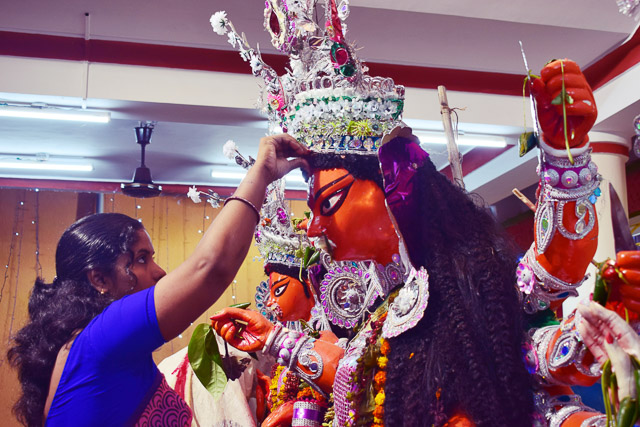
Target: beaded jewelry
542,287
564,182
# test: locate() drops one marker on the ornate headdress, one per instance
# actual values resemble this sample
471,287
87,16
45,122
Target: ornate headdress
326,99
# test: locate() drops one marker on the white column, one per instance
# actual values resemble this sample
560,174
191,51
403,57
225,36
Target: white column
610,154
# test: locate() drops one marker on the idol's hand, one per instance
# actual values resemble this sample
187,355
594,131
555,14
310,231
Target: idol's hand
281,416
579,104
274,153
599,325
246,330
623,275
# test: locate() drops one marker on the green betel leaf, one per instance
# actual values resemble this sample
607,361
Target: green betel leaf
203,352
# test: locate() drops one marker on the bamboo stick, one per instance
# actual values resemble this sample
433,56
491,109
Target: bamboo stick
452,147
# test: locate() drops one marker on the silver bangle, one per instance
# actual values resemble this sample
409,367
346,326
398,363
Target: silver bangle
271,338
547,287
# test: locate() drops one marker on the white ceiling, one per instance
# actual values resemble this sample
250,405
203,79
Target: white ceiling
194,121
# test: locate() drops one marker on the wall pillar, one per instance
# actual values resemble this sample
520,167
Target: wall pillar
610,154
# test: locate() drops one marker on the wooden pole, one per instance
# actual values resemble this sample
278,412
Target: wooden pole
452,147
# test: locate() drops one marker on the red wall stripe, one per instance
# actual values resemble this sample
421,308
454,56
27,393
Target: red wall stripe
609,147
190,58
114,187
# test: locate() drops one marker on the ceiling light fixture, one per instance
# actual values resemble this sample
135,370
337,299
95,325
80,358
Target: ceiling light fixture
42,161
227,175
477,140
53,113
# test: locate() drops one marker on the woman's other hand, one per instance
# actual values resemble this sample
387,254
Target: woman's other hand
246,330
274,156
599,324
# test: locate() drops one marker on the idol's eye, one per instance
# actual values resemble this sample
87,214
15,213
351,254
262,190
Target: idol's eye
280,289
333,202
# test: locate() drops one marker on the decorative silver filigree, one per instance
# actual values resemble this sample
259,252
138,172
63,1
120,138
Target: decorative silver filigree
408,307
547,287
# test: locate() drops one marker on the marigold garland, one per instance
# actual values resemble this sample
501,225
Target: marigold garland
288,388
370,372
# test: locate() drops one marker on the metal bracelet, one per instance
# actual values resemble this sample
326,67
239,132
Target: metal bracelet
272,335
599,420
547,287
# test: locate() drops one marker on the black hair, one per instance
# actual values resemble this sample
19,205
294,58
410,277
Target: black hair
60,309
359,166
465,355
288,270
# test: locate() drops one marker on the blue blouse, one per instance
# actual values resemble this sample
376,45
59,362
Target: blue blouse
110,376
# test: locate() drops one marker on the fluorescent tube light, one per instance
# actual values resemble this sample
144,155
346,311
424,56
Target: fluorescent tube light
46,165
227,175
463,139
55,114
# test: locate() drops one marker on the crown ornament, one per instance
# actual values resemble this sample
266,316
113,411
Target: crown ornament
326,99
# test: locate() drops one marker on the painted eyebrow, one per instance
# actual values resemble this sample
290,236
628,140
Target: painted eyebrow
332,183
278,281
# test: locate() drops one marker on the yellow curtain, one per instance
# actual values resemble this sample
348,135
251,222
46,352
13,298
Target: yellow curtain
36,219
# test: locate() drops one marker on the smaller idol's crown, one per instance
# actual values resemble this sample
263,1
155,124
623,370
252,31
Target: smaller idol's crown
326,100
275,235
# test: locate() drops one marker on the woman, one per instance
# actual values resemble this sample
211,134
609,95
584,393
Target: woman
84,358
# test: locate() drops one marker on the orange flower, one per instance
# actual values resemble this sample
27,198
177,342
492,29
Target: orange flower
385,348
378,412
380,379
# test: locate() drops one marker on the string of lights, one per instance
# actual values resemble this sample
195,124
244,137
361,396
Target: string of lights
19,234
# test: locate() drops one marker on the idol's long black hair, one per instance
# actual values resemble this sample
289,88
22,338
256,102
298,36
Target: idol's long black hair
60,309
465,354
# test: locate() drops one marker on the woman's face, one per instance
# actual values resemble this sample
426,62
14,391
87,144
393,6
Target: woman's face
287,298
136,270
350,218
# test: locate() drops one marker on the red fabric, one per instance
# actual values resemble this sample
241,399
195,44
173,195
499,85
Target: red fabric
181,376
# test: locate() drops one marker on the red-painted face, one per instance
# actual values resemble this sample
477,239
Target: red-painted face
288,299
350,218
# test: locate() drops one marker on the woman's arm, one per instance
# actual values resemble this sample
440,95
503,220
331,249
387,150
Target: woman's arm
185,293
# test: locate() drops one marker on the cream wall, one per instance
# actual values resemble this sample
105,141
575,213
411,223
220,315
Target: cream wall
174,223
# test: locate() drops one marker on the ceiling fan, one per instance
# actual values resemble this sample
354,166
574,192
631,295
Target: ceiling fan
142,186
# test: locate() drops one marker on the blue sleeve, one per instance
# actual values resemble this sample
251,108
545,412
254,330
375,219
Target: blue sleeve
127,329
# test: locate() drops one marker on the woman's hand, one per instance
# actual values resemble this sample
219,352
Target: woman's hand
274,153
246,330
599,324
579,103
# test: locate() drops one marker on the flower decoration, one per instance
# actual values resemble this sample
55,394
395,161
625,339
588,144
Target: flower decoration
276,101
525,278
230,149
212,197
194,194
219,22
256,65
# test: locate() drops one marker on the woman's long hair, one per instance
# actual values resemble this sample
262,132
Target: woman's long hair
59,309
465,355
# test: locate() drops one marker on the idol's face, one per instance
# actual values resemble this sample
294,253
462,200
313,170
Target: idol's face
287,298
350,219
